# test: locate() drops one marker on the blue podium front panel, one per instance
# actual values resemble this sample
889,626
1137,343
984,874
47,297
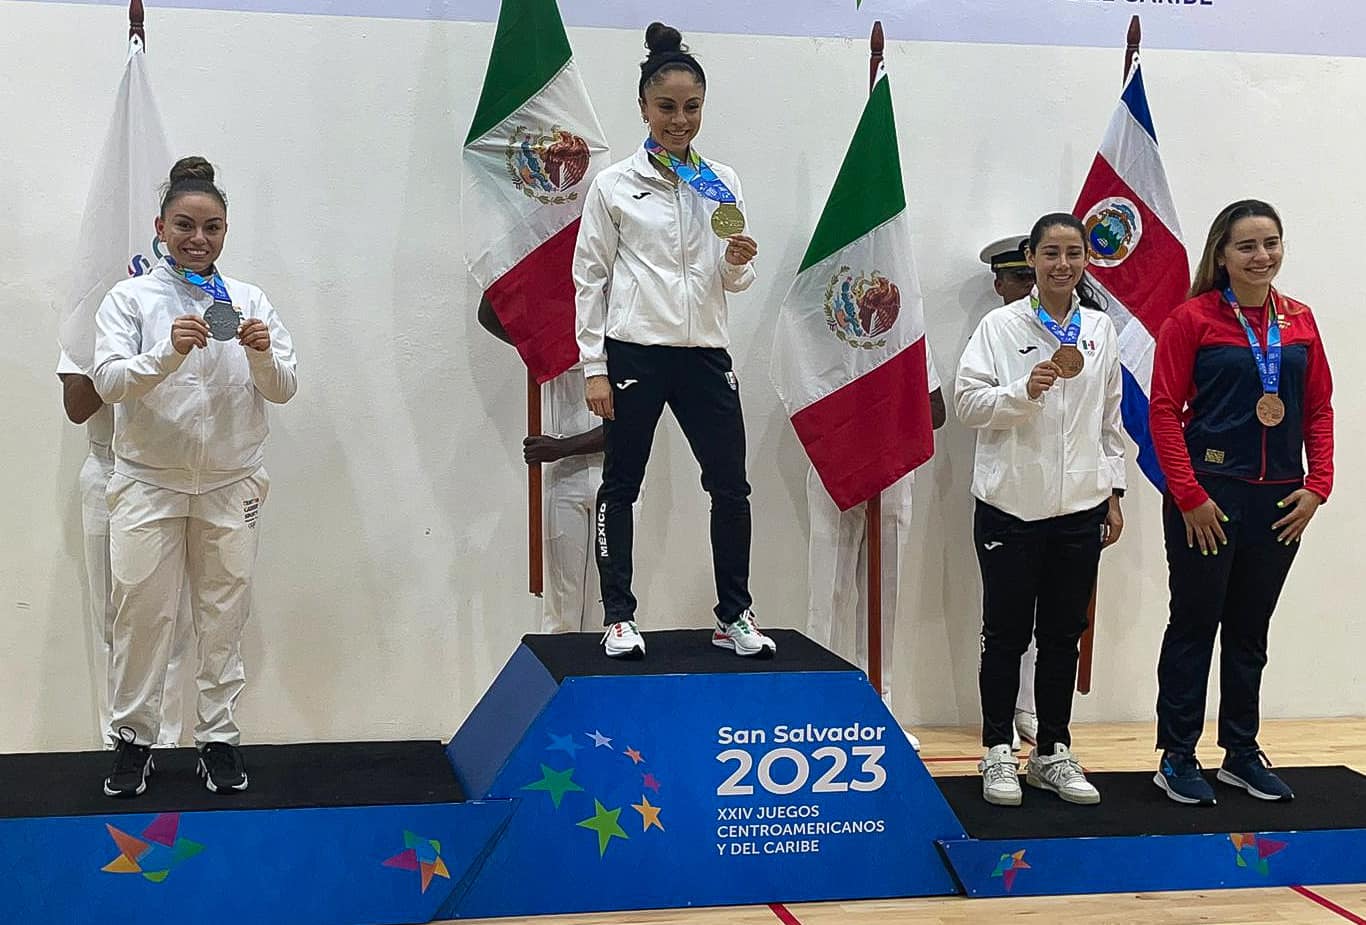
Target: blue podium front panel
662,791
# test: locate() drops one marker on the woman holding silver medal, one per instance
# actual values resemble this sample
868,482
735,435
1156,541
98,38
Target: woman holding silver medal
659,247
1241,395
1040,382
188,359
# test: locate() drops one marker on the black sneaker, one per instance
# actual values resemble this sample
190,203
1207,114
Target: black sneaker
1250,770
1180,778
220,764
132,766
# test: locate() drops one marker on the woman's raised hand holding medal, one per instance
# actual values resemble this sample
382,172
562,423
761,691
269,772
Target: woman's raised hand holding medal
740,250
254,335
1041,378
188,332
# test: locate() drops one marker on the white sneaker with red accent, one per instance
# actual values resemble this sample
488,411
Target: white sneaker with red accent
743,637
623,640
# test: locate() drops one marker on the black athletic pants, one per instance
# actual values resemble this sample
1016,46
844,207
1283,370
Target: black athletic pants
1233,594
701,390
1037,578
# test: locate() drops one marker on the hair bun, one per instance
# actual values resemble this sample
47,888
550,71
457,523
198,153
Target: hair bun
192,168
662,39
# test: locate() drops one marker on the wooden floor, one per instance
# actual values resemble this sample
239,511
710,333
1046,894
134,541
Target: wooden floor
1108,747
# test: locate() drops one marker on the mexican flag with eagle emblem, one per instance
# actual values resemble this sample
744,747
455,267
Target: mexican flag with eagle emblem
849,353
532,150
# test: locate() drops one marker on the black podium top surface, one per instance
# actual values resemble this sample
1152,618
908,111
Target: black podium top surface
328,774
1131,804
568,655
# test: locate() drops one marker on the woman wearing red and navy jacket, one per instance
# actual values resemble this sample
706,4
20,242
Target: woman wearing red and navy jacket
1241,396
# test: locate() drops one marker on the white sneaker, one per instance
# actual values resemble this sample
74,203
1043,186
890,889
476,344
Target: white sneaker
1027,726
623,640
1060,773
743,637
1014,738
1000,777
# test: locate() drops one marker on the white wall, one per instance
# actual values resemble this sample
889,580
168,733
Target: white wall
391,583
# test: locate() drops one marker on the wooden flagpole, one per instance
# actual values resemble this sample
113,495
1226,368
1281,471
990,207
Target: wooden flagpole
1088,638
136,18
874,504
535,531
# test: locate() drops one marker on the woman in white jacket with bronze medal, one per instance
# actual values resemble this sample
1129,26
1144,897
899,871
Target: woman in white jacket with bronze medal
188,358
1040,382
659,246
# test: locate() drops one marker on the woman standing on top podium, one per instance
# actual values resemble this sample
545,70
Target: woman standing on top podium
1041,384
659,246
1241,395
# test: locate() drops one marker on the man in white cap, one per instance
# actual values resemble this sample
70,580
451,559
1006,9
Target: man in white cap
1015,281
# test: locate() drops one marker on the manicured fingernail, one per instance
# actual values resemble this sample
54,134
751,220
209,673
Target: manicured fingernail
1216,550
1280,504
1204,552
1224,518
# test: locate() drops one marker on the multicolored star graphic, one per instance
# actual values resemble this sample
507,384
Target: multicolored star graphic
650,782
604,822
635,756
1008,866
1253,850
599,740
422,855
555,783
564,744
649,815
156,854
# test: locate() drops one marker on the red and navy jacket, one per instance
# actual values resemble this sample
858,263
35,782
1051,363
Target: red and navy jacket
1204,399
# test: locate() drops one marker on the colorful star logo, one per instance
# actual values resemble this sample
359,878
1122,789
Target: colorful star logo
604,822
156,854
564,744
650,782
635,756
1008,866
649,815
599,740
422,855
1253,851
555,783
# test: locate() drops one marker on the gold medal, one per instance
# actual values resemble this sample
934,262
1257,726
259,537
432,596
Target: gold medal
727,220
1069,361
1270,409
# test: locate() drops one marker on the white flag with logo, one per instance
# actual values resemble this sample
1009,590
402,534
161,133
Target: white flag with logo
118,237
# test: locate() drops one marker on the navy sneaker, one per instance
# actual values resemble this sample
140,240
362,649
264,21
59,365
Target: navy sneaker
1249,770
1180,778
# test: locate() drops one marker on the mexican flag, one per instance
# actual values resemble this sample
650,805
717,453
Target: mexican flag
118,237
849,352
532,150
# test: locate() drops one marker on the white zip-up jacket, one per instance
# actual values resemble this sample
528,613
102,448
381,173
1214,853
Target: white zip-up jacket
1060,453
191,423
648,269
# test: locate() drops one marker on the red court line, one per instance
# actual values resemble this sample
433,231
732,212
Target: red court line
1328,904
787,918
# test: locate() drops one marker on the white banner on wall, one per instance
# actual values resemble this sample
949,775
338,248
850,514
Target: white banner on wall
1314,27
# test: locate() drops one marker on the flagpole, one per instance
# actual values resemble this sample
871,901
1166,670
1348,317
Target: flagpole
135,22
874,504
1088,638
535,533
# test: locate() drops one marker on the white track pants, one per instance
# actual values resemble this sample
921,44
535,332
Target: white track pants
572,602
160,540
837,569
94,482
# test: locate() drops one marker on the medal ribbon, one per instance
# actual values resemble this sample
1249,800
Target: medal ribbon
213,284
1268,362
1068,336
695,172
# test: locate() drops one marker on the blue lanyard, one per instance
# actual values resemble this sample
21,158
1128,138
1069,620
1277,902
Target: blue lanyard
695,172
1268,362
213,284
1066,336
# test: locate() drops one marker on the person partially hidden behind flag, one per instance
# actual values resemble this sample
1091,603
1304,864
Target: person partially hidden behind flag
189,359
573,449
1233,432
1040,382
659,247
837,562
1013,279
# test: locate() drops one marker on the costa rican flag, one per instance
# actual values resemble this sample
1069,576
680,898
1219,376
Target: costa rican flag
1138,262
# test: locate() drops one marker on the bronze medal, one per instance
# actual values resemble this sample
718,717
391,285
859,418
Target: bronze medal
1270,409
1069,361
727,220
223,320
